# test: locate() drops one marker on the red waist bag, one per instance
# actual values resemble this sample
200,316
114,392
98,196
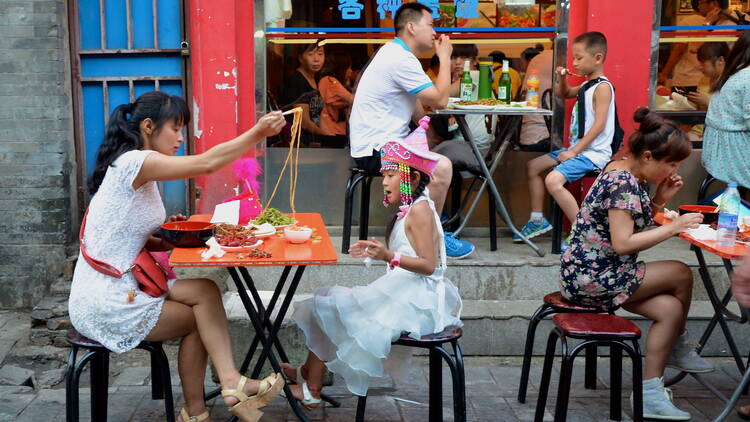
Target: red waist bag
150,276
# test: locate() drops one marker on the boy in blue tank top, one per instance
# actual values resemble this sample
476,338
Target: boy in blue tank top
592,128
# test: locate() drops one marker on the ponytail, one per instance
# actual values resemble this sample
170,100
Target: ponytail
123,132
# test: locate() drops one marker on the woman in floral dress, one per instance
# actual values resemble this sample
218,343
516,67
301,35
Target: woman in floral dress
601,268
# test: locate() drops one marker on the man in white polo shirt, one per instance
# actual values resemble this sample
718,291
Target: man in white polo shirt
392,87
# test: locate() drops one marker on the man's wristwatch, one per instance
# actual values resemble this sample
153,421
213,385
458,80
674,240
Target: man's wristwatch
395,261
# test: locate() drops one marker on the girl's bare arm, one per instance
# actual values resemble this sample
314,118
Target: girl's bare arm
625,241
421,232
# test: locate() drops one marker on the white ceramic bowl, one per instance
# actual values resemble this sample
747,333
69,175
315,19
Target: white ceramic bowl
296,234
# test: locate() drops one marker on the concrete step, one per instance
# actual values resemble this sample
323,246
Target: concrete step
491,328
513,272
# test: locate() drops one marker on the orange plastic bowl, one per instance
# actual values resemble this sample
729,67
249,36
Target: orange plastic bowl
708,211
187,233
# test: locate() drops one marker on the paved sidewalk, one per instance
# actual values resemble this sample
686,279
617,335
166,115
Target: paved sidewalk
492,385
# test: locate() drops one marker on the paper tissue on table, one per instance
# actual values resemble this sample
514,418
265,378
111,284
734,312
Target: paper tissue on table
245,206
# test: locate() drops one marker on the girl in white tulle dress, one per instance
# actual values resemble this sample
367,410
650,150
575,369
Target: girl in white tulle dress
350,330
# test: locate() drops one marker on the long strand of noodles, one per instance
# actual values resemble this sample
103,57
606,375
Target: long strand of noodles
291,156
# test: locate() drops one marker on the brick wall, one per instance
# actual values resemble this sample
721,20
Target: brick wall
37,156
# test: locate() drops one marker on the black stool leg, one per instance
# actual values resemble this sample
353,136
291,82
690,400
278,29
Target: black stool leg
351,186
458,354
157,383
635,355
459,410
557,222
563,388
71,387
549,356
361,404
615,379
99,384
590,371
75,382
364,208
436,387
540,313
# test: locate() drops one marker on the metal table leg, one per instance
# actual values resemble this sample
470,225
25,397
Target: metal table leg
500,206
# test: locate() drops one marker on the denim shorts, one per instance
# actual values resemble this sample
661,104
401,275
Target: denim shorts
575,168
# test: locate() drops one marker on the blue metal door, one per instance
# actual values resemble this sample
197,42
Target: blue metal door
126,48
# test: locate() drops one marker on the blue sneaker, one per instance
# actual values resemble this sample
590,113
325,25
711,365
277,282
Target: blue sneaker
456,248
532,230
564,244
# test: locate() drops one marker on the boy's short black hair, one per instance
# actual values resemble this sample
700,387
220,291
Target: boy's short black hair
722,3
712,51
594,42
465,50
409,12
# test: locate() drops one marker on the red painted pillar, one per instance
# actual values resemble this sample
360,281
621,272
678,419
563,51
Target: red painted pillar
223,84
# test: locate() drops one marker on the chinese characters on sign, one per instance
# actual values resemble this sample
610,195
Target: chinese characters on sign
466,8
388,6
352,9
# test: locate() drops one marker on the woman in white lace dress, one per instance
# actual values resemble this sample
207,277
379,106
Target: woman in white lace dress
350,330
126,209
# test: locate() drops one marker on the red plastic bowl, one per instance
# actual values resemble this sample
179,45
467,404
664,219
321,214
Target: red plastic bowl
187,233
710,215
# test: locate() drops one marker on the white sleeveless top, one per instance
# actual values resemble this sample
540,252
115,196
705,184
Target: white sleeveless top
599,150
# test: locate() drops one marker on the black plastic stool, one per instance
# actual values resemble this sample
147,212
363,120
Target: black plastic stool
554,303
98,355
357,175
597,329
434,342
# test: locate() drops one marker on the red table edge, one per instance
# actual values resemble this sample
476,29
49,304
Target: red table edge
258,263
659,219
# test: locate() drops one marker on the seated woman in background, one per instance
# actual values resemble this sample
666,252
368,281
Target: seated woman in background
712,57
304,79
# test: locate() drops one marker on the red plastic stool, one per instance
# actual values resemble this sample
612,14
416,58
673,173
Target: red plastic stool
597,329
554,303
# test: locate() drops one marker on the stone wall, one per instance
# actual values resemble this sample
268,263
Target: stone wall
37,156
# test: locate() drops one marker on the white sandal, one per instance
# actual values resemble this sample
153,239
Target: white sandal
308,401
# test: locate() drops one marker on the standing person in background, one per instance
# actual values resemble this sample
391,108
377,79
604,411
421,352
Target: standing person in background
682,65
392,89
526,56
726,141
534,133
304,79
336,97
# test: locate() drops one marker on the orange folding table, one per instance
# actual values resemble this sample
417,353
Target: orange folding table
316,251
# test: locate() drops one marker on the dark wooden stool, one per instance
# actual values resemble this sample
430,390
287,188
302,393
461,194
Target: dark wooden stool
357,175
554,303
98,356
434,342
598,329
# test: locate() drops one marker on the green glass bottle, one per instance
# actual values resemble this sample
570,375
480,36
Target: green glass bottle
504,87
467,85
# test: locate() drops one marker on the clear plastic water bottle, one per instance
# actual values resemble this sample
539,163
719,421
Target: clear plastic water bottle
728,213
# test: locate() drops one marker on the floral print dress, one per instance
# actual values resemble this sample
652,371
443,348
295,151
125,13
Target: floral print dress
592,273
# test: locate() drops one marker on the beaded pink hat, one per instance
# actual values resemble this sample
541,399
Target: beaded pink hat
411,153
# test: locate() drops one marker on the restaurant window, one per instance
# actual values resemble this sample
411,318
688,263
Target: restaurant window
336,38
694,39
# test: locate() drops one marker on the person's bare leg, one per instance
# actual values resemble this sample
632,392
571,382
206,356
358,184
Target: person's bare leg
177,320
664,297
204,299
666,312
440,182
313,371
745,410
534,170
555,183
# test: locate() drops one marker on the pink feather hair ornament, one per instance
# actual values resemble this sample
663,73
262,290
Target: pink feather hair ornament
247,171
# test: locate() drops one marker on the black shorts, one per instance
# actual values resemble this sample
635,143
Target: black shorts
371,164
